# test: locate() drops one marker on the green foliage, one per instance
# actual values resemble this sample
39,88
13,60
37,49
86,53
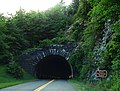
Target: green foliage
77,29
26,30
105,9
37,26
75,35
111,57
93,3
16,39
7,80
60,40
113,50
83,72
116,57
103,85
95,14
116,82
80,86
83,9
15,70
45,42
75,5
77,59
4,54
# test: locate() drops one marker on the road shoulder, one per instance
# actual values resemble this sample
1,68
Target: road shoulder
79,86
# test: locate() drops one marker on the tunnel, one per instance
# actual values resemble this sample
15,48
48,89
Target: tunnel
53,67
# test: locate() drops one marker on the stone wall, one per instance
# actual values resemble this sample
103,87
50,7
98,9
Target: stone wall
29,60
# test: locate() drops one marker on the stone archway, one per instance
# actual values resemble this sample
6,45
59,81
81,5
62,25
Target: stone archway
31,60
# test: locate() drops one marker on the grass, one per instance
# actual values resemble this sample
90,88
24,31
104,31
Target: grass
82,87
6,80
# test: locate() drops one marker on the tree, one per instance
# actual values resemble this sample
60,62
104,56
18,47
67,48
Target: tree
4,53
75,5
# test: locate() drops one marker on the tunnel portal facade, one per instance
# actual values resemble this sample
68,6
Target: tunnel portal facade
49,62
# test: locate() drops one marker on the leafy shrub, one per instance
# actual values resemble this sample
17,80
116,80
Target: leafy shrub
103,84
15,70
83,72
45,42
60,40
76,60
116,82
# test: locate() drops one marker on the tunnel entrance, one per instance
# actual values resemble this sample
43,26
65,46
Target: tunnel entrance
53,66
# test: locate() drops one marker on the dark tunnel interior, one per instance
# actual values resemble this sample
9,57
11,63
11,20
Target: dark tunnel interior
53,66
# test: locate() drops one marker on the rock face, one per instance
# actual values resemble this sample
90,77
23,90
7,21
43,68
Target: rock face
29,60
100,46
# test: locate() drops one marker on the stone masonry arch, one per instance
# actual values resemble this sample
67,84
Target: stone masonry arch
30,60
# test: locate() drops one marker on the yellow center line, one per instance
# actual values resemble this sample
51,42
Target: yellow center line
43,86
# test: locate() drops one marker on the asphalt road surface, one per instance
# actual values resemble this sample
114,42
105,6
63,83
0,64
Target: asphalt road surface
42,85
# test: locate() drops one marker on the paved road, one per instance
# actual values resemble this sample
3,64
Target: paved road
29,86
59,85
56,85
